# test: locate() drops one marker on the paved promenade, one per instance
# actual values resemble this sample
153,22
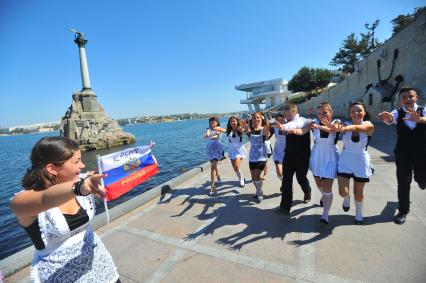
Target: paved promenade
188,236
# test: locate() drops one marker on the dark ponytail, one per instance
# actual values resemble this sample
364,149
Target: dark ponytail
48,150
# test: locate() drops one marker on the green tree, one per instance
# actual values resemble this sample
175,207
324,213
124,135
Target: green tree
301,80
348,54
353,50
401,21
367,44
321,77
308,79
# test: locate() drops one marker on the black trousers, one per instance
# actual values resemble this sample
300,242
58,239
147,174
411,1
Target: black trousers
298,164
408,163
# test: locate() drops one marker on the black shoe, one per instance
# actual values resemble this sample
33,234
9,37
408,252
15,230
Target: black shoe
307,198
321,203
346,208
400,218
358,222
323,221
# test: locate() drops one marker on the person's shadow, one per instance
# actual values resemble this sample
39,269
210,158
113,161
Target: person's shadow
242,209
222,188
385,216
270,223
200,195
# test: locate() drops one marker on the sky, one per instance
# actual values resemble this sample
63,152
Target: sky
163,57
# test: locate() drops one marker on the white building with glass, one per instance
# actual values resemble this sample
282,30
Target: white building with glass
264,95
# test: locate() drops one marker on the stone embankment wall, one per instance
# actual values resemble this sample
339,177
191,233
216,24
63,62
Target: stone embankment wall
409,48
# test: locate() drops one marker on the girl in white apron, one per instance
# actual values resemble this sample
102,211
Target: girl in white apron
236,150
258,132
354,160
56,210
279,147
214,148
324,156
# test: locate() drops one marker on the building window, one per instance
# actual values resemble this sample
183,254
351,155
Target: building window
370,99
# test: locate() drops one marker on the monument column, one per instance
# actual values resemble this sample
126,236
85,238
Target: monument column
81,42
88,96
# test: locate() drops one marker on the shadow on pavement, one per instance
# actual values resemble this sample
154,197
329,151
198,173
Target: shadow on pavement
264,223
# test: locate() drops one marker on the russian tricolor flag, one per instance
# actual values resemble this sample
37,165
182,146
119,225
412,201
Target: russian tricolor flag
126,169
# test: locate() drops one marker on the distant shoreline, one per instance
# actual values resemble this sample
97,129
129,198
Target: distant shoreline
136,121
30,133
172,118
49,127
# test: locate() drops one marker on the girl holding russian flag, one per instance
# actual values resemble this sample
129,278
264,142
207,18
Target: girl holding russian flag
56,209
214,150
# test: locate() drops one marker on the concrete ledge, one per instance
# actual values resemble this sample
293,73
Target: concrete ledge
21,259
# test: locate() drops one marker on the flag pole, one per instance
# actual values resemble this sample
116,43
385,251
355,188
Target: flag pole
98,159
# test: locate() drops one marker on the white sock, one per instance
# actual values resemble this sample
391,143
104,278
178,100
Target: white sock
327,200
347,201
258,185
260,190
358,210
240,177
281,178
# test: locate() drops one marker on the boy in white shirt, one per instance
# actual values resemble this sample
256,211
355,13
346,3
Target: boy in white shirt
296,157
410,149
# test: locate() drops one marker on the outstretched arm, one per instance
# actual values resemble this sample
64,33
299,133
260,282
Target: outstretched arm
207,133
415,117
367,128
386,117
219,129
329,126
28,204
301,131
245,127
296,124
266,132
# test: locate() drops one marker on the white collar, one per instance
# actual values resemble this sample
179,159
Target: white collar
295,117
415,106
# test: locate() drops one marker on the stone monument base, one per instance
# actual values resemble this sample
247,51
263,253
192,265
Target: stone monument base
86,122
